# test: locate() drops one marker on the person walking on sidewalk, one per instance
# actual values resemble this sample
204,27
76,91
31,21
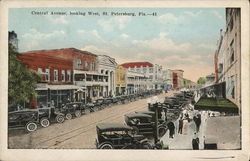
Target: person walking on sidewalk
180,126
171,128
195,142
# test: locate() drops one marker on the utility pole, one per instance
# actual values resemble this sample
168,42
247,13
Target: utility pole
156,132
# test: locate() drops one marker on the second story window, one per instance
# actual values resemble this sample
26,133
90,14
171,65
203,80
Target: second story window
47,76
63,75
69,75
55,75
86,65
79,63
93,65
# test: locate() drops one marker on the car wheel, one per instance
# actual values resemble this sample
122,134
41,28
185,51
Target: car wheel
68,116
31,126
146,145
78,113
44,122
162,131
60,118
106,146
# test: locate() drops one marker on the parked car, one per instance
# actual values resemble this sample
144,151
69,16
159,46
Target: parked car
26,118
118,136
73,108
143,124
50,114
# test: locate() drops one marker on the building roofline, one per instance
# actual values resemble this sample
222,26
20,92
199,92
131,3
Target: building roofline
82,51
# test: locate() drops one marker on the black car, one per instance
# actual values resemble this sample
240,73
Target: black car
72,109
50,114
143,124
26,118
119,136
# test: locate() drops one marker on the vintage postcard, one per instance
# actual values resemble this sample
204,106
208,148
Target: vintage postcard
129,80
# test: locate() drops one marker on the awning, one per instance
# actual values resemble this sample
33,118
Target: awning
216,104
58,87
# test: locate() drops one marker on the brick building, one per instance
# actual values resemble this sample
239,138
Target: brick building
56,85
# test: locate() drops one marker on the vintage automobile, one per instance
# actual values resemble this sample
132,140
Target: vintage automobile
26,118
119,136
50,114
73,108
143,124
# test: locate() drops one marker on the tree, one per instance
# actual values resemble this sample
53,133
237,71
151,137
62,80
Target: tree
201,80
22,81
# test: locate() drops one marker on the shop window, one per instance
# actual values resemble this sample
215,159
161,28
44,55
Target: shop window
55,75
63,75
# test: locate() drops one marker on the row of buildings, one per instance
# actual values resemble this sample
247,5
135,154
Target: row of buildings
227,58
71,74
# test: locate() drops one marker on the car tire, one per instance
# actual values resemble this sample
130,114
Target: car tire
31,126
60,118
68,116
146,145
78,113
44,122
106,146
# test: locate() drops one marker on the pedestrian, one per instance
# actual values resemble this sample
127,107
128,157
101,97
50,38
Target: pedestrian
180,126
198,120
171,128
195,142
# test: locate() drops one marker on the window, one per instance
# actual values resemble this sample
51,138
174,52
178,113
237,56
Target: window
93,65
55,75
79,63
63,75
47,76
69,75
40,70
144,70
151,70
220,68
231,51
86,65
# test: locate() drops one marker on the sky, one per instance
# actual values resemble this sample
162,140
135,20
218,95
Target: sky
176,38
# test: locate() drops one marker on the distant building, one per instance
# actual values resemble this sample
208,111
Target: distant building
151,71
120,80
228,56
167,76
13,39
177,78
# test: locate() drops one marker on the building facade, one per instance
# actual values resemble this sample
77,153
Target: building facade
210,79
136,82
56,86
177,78
107,66
167,76
120,81
151,71
84,70
228,56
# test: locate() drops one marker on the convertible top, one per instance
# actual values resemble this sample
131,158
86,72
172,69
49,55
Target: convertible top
138,115
145,112
112,127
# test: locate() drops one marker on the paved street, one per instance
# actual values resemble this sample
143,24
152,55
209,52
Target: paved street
78,132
